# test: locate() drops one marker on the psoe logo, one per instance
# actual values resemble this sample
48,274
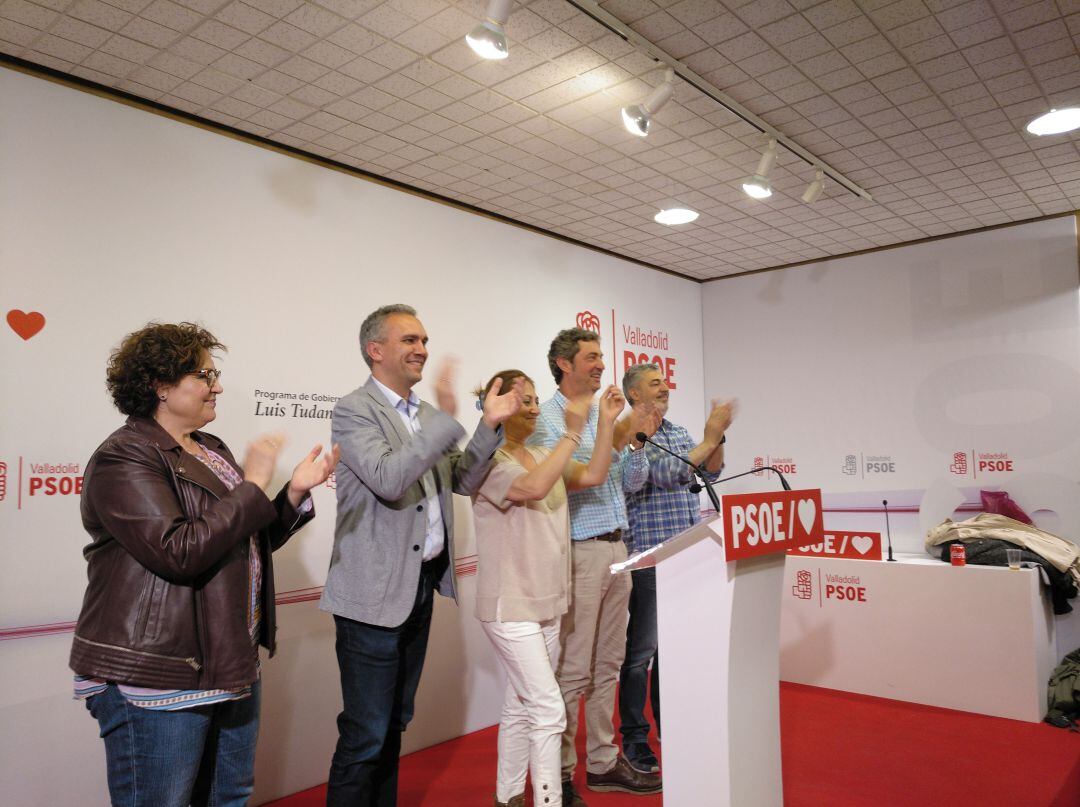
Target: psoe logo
851,465
804,585
48,479
994,462
959,464
879,464
649,347
844,588
785,465
588,321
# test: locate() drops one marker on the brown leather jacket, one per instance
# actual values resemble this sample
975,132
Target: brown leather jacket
166,603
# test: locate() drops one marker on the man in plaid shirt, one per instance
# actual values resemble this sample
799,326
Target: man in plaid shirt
663,507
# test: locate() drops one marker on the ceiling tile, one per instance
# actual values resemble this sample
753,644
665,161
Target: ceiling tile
921,101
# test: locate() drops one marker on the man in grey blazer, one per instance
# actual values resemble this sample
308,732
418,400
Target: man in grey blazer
393,544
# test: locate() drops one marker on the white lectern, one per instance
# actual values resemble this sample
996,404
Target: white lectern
719,633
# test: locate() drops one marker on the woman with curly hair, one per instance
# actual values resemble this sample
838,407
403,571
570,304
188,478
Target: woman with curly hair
523,579
181,584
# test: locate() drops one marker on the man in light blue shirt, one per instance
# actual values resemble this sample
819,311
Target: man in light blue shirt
593,631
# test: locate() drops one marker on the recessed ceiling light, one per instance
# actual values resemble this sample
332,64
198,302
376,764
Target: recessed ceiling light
675,215
1056,121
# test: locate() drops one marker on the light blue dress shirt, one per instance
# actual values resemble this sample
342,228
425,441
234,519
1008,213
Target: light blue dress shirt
602,509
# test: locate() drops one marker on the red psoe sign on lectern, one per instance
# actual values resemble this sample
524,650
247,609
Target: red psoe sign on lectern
718,588
760,523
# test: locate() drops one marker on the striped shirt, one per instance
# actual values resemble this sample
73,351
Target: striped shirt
663,506
170,700
602,509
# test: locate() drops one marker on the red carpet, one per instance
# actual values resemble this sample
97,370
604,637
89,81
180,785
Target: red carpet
839,749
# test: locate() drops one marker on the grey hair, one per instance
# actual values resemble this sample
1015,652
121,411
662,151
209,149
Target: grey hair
373,328
565,346
633,375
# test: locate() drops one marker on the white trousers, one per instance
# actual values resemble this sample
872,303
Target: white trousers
533,715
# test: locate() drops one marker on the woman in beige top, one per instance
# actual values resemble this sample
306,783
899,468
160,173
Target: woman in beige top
523,580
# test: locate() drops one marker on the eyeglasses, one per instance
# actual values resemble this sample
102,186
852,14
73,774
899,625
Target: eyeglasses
209,376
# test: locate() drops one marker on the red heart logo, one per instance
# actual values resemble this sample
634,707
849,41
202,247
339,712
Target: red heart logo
25,324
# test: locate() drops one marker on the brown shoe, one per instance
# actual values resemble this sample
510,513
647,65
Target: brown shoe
515,801
624,778
570,797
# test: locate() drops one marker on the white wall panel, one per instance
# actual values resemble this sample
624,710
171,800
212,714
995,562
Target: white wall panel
953,365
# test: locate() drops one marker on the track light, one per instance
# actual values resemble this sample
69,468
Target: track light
675,215
758,186
636,118
1056,121
488,39
814,189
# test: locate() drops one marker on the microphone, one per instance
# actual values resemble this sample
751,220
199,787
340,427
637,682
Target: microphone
888,532
641,437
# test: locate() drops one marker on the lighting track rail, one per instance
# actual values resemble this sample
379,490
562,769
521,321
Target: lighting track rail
620,29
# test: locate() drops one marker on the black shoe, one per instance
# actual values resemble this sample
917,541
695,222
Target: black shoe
625,779
641,757
570,797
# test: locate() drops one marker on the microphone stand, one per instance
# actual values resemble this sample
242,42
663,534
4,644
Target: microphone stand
695,487
888,532
641,437
783,482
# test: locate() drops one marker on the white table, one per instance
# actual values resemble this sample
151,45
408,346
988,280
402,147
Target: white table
975,638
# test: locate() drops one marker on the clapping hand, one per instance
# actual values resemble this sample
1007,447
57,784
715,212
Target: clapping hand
261,458
644,418
445,397
723,412
612,403
497,408
577,410
312,471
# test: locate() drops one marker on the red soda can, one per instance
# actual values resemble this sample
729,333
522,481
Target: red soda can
958,555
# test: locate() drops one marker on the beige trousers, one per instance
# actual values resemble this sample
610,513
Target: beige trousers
592,642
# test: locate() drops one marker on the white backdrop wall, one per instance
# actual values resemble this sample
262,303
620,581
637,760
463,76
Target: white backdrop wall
110,217
919,375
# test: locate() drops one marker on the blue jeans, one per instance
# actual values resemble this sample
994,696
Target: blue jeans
641,646
380,672
199,756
